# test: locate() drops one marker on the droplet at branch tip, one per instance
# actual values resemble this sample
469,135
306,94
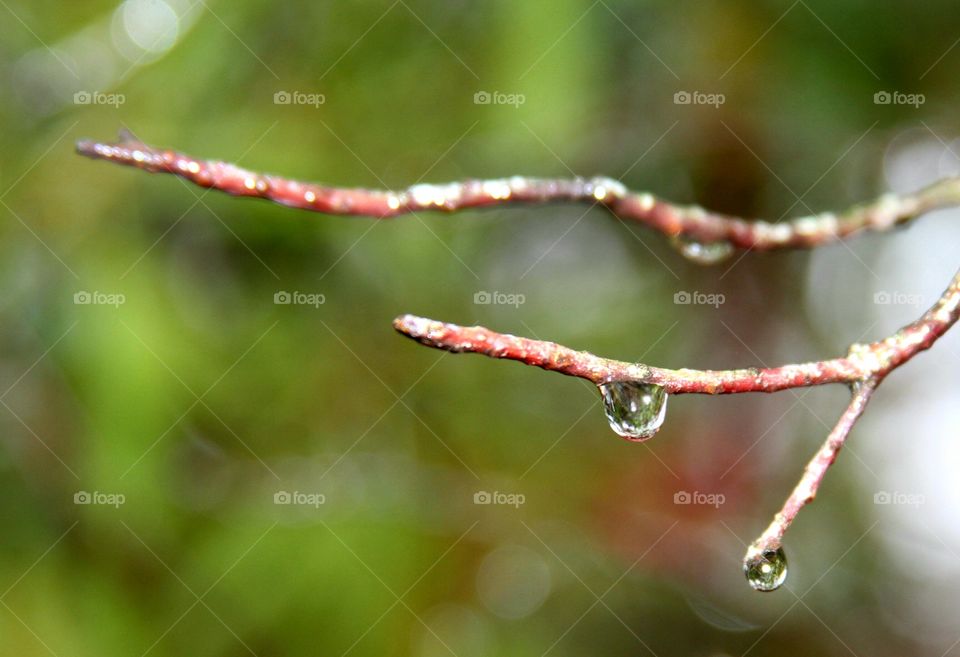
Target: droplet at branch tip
765,568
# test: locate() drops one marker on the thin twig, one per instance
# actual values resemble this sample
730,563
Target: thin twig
806,488
691,222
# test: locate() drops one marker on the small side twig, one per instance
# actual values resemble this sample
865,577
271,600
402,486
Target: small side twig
690,222
806,489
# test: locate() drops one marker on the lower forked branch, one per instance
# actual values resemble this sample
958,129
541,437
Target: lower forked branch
691,222
864,367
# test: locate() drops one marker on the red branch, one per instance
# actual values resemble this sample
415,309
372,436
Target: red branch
863,362
691,222
864,367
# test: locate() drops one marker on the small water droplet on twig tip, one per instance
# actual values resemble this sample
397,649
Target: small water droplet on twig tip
766,570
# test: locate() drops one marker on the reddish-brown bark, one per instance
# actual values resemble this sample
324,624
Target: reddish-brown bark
673,220
863,368
863,362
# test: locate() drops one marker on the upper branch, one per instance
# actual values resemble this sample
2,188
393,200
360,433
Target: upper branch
691,222
871,361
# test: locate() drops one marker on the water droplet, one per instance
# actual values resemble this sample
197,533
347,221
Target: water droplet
702,253
634,410
765,570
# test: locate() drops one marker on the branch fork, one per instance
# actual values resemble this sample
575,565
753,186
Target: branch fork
862,369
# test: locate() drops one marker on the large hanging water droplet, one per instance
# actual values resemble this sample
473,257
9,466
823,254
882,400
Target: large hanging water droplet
634,410
702,253
766,570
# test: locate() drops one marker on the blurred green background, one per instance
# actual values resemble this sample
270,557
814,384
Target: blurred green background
182,404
